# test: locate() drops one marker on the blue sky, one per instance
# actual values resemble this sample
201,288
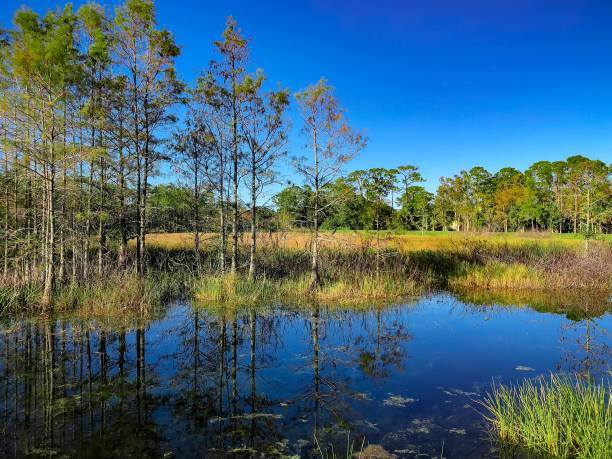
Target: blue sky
442,84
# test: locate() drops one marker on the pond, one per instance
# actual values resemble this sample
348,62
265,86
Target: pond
280,381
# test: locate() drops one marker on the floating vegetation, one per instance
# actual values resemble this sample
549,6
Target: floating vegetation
375,452
398,401
524,368
456,392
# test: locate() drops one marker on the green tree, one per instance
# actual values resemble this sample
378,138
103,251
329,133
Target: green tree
539,180
333,142
190,144
416,208
294,205
264,131
379,183
148,55
510,194
44,62
210,112
231,71
95,87
588,184
408,175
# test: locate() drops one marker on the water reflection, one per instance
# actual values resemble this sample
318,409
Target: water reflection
274,382
593,340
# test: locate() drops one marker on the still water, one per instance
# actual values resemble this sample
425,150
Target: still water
279,381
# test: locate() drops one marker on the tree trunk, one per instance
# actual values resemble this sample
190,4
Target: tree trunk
101,217
88,220
588,215
315,279
142,216
62,261
575,213
235,190
50,262
122,259
196,213
29,216
142,205
16,225
253,216
139,243
7,209
222,216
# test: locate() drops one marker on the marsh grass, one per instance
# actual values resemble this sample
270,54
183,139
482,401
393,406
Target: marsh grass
237,289
476,260
497,275
115,294
354,270
349,451
561,416
401,240
120,292
18,298
344,291
532,267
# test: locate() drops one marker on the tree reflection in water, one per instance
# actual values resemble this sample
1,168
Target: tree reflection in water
267,382
67,388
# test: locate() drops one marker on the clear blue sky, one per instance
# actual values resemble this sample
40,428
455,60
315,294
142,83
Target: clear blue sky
442,84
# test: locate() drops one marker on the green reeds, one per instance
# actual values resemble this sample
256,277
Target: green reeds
561,416
116,293
18,298
349,451
344,290
121,292
497,275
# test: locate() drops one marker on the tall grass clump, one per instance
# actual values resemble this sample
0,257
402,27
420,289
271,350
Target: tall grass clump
18,298
236,289
344,290
122,292
497,275
561,416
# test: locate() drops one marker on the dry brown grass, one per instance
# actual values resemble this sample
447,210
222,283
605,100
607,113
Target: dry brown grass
405,242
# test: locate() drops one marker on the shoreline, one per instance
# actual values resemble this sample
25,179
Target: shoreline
541,274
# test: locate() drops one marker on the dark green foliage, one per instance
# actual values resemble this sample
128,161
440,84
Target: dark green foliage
573,195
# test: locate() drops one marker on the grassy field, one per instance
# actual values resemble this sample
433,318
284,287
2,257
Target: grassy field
402,240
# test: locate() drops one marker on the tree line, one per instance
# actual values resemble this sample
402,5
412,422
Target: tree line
574,195
92,108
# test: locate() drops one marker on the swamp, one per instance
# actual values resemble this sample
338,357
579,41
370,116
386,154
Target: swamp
199,261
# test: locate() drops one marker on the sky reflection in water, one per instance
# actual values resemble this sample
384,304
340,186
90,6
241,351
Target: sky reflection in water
195,383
